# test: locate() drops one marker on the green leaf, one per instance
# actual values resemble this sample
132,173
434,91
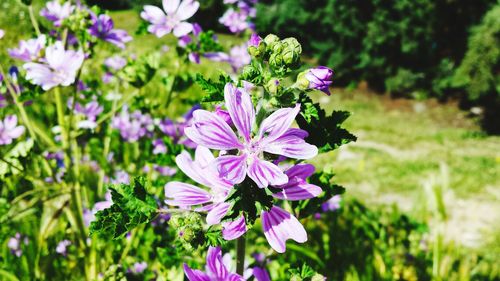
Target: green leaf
214,89
325,132
132,206
11,161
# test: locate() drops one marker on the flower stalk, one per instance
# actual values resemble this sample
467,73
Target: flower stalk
240,254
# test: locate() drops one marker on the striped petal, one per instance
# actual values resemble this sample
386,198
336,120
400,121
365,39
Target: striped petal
215,215
215,264
292,145
280,226
211,131
232,168
195,275
277,123
233,230
184,194
191,168
240,108
265,173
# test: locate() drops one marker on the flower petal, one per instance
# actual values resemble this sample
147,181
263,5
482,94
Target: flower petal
183,28
211,131
233,230
276,124
298,190
191,168
265,173
184,194
187,9
291,146
215,215
260,274
240,108
170,6
203,156
153,15
195,275
232,168
215,264
280,226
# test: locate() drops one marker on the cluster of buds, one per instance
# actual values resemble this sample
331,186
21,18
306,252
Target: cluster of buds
282,55
189,229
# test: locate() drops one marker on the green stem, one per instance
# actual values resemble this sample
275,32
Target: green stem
20,107
33,20
240,255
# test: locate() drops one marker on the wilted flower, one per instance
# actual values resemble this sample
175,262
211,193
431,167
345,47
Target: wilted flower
103,28
29,50
62,247
56,13
274,136
9,130
60,67
216,270
320,78
171,18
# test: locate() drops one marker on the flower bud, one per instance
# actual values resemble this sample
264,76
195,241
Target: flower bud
273,86
302,81
291,51
256,46
320,78
249,73
270,40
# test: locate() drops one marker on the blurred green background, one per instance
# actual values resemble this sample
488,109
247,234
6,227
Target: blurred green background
422,79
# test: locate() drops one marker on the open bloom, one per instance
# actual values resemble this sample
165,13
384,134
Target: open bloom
103,28
115,62
238,57
132,126
235,21
172,18
60,67
216,270
56,13
320,78
274,136
9,130
29,50
62,247
90,110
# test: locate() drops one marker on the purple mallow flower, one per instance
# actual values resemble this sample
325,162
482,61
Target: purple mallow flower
238,57
215,269
90,111
59,68
132,126
62,247
89,215
175,130
139,267
103,28
320,78
332,204
235,21
9,130
56,13
15,244
274,136
172,18
29,50
115,62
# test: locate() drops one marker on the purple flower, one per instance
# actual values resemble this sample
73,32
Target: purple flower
279,226
139,267
14,245
159,147
120,177
236,21
216,270
56,13
132,126
255,40
103,28
29,50
274,136
171,18
238,57
115,62
320,78
175,130
62,247
332,204
60,67
9,130
89,215
165,170
91,110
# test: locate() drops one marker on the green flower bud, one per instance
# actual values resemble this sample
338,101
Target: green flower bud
249,73
273,86
270,40
318,277
302,81
291,51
